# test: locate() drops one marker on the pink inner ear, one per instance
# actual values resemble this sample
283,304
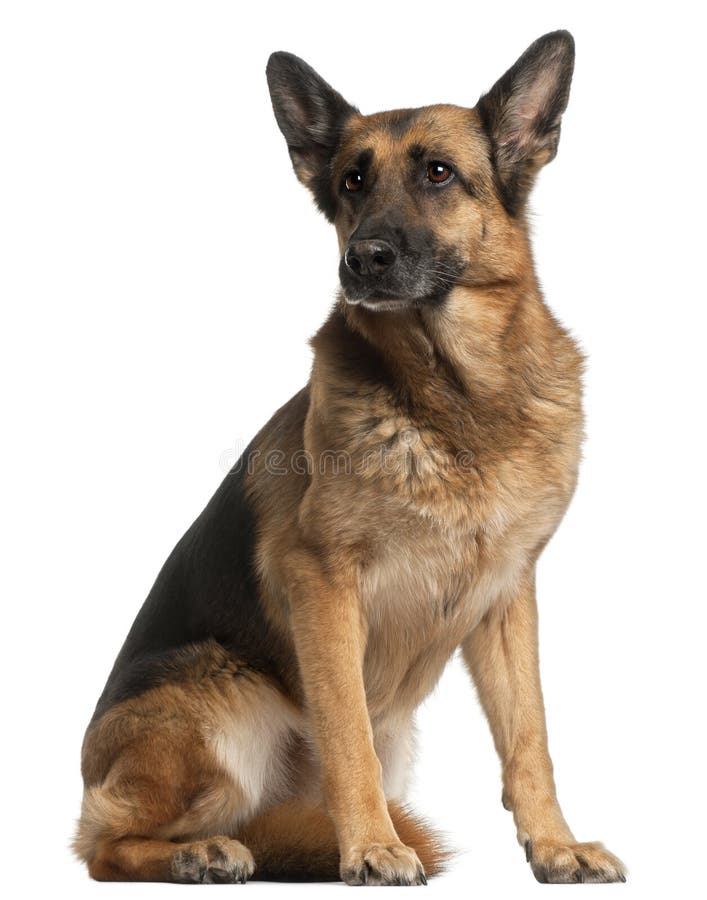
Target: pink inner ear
529,105
537,94
540,91
525,106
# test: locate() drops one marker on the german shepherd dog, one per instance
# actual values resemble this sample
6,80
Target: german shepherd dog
259,717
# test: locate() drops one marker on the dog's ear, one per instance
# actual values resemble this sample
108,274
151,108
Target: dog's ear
522,113
310,114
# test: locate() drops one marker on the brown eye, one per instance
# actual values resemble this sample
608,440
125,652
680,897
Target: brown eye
354,181
439,172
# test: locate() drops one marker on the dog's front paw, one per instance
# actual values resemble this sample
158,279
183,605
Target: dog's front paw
383,864
557,863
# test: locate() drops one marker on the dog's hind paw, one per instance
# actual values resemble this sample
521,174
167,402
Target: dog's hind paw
215,861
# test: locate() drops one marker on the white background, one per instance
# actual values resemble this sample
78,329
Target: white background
161,272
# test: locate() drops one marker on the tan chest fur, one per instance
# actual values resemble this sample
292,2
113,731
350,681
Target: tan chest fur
450,536
440,491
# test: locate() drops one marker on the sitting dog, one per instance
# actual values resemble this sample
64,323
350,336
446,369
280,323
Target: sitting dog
258,719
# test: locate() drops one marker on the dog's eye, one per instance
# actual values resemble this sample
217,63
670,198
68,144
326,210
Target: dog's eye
353,181
439,172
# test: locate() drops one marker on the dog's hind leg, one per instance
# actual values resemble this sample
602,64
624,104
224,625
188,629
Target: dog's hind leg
172,775
217,860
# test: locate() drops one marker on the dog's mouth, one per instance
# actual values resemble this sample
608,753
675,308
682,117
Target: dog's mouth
402,289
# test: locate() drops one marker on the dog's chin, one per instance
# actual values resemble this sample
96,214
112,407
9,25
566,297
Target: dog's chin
385,303
380,304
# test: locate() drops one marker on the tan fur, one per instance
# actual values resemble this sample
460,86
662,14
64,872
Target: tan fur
158,770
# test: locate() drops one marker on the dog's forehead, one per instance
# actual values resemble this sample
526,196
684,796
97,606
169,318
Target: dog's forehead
441,131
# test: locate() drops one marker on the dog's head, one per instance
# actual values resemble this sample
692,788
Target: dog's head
423,199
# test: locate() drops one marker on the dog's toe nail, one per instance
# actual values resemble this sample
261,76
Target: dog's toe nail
528,851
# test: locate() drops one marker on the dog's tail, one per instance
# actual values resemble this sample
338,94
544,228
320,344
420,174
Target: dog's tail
295,842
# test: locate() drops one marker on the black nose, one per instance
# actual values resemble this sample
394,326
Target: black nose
369,257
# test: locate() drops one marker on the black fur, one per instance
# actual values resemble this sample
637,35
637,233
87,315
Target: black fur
423,273
207,590
311,115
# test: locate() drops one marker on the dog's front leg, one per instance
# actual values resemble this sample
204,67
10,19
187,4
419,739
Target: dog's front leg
330,639
502,655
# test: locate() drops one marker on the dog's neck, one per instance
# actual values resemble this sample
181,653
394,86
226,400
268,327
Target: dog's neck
478,361
474,339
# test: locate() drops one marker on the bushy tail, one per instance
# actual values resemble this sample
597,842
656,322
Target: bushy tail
295,842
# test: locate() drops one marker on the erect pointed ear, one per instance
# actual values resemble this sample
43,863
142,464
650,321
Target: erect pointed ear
522,113
310,114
